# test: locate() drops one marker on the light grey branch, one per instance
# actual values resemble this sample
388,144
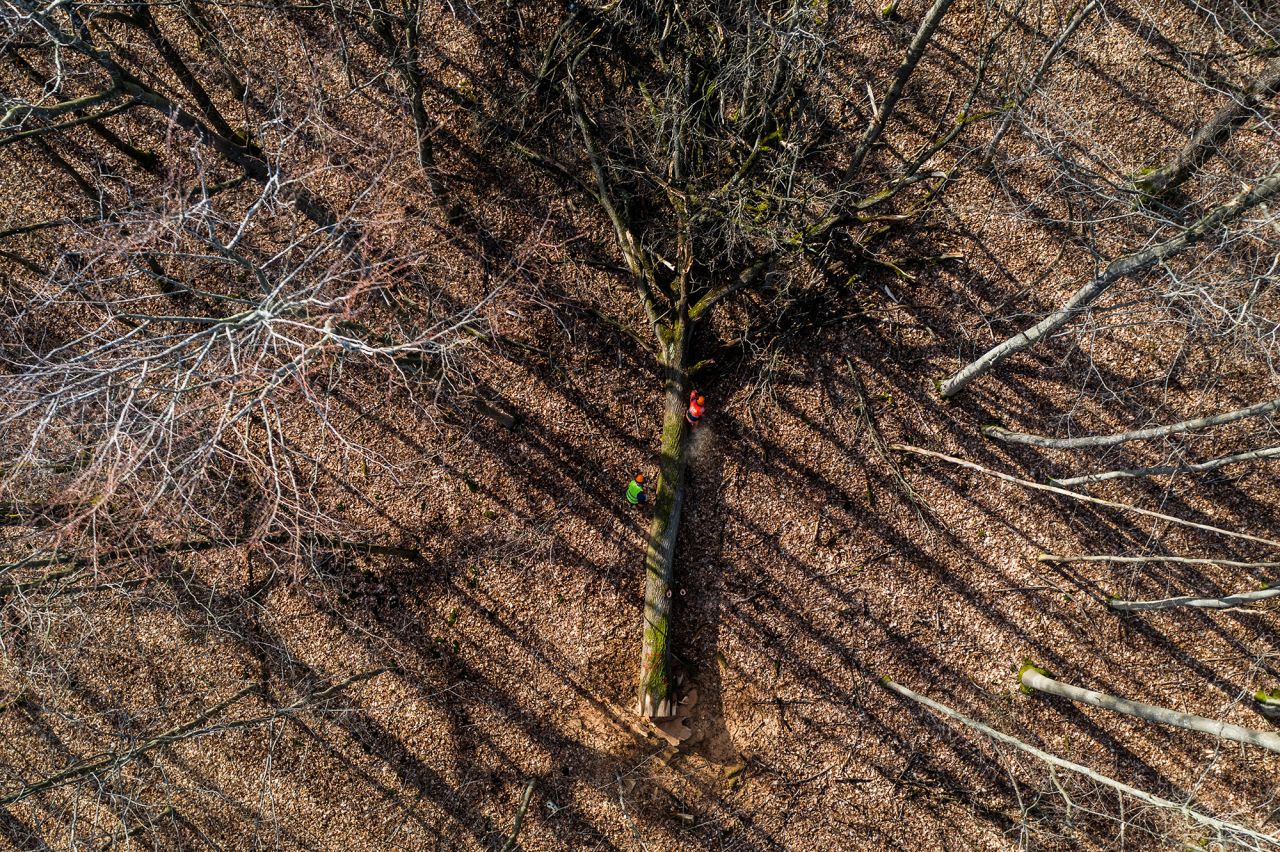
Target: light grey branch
918,44
1034,83
1119,268
1211,136
1033,678
1227,602
1097,501
1052,557
1200,467
1002,434
1239,831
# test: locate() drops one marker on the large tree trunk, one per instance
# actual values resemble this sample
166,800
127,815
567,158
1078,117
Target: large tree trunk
655,700
1119,268
1033,678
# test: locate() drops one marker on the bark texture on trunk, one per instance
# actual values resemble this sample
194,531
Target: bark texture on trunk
655,698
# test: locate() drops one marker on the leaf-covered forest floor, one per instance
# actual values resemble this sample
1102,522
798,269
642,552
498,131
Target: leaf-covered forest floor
811,560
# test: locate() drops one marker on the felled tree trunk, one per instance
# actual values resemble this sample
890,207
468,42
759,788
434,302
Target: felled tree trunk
655,700
1034,678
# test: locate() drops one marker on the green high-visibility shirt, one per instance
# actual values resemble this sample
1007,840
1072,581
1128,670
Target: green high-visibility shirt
634,490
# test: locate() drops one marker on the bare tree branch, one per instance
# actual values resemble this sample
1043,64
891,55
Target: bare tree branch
906,448
1119,268
1256,410
1230,830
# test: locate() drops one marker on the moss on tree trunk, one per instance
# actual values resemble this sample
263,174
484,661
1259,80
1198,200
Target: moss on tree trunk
655,699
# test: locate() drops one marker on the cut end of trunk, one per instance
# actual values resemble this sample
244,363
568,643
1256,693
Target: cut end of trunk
655,706
1267,703
1151,183
1028,673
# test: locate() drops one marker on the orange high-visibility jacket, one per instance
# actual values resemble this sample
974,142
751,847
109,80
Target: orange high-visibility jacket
695,410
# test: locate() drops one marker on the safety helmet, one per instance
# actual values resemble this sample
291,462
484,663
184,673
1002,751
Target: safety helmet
639,477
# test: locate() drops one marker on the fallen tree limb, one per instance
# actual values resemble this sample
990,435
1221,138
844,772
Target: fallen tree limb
915,51
1234,829
1200,467
1085,498
1227,602
1053,557
1033,84
1033,678
68,574
1002,434
519,820
109,761
195,728
1211,136
1267,703
1117,269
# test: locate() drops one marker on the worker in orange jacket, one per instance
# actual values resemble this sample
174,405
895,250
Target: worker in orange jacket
697,405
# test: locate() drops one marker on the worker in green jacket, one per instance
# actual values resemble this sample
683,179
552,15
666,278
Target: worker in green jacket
635,491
